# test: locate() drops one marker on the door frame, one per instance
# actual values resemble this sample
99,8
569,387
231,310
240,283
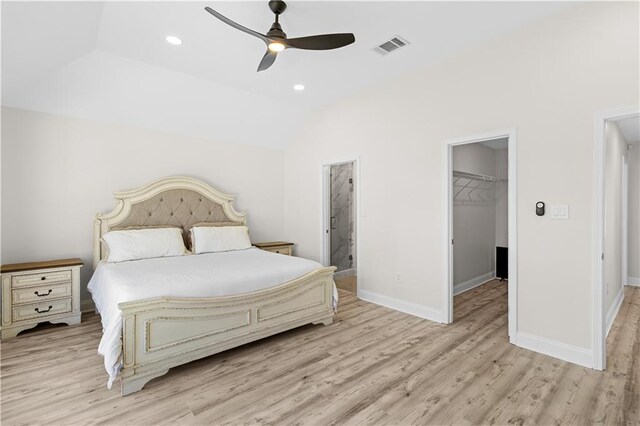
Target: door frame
447,161
625,217
326,209
598,312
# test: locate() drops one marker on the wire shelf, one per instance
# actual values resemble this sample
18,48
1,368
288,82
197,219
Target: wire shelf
472,188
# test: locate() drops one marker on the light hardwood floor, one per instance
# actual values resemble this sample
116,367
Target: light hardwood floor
348,283
371,366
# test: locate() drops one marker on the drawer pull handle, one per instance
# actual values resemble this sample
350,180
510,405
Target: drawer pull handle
43,294
43,278
42,312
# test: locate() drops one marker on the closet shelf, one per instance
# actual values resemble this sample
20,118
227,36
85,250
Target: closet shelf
473,188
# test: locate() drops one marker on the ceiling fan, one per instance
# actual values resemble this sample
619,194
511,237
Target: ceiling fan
276,39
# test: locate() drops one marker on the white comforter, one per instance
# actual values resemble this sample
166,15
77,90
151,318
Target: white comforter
202,275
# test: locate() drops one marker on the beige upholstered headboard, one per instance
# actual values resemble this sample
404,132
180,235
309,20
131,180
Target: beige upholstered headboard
173,201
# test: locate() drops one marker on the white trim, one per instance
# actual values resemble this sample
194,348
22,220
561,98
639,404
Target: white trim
473,283
633,281
560,350
447,248
410,308
87,306
598,321
614,309
625,218
326,205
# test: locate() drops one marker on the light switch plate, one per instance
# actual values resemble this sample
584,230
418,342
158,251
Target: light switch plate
560,211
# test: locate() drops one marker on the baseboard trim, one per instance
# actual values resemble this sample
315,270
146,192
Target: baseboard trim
410,308
635,281
473,283
87,306
614,309
560,350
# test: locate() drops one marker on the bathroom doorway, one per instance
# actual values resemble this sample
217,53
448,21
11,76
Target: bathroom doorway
340,223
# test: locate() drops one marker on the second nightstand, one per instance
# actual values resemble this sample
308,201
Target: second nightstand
281,247
40,291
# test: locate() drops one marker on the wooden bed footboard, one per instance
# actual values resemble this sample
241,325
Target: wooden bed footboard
161,333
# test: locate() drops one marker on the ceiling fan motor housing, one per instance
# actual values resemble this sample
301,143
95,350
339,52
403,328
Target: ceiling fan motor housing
277,6
276,31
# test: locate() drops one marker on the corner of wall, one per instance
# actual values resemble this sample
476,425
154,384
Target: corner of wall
421,311
554,348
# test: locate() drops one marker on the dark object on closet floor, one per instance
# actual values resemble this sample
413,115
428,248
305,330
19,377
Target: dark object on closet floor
502,263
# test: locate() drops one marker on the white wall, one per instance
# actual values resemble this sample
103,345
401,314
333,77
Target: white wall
616,148
474,224
634,214
546,80
57,173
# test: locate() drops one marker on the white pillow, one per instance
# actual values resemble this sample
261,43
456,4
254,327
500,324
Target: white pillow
211,239
144,244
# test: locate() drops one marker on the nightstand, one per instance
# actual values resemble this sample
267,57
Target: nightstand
281,247
36,292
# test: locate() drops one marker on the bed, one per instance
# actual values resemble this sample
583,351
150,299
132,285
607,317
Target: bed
161,313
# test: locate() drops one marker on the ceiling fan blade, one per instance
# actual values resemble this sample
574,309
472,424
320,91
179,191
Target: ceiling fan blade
321,42
237,26
267,60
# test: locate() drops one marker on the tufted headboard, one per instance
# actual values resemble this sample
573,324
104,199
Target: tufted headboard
173,201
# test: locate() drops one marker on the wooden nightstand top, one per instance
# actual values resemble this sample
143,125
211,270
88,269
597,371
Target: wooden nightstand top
268,244
28,266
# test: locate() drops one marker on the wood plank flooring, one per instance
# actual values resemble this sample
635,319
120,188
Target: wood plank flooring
348,283
371,366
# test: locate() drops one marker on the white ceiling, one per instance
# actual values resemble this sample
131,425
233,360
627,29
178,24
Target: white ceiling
110,62
497,143
630,128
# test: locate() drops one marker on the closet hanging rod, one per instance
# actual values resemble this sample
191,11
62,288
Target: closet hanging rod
477,177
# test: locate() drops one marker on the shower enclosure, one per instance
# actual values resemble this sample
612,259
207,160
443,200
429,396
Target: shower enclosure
342,223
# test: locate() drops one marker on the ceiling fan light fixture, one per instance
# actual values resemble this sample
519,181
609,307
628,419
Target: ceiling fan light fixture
274,46
277,41
176,41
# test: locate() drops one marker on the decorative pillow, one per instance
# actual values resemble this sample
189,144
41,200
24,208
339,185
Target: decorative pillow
185,234
188,236
134,244
212,239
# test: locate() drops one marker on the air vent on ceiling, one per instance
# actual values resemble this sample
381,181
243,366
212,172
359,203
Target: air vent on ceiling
390,45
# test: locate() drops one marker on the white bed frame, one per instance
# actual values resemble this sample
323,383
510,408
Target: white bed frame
161,333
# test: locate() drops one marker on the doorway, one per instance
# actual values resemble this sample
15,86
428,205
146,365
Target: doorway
617,242
340,224
480,241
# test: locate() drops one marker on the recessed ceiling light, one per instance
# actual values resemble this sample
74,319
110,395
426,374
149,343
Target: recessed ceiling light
298,87
176,41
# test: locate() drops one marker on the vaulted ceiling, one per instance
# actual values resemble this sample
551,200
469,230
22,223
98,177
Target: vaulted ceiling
109,61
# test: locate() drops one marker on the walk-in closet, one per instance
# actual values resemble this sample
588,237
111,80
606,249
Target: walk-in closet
480,214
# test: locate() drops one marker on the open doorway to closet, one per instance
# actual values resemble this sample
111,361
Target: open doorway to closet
340,227
480,215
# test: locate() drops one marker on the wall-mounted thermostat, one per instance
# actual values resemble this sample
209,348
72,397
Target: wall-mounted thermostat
540,208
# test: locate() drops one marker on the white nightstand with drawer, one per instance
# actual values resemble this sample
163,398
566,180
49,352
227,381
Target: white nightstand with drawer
36,292
280,247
